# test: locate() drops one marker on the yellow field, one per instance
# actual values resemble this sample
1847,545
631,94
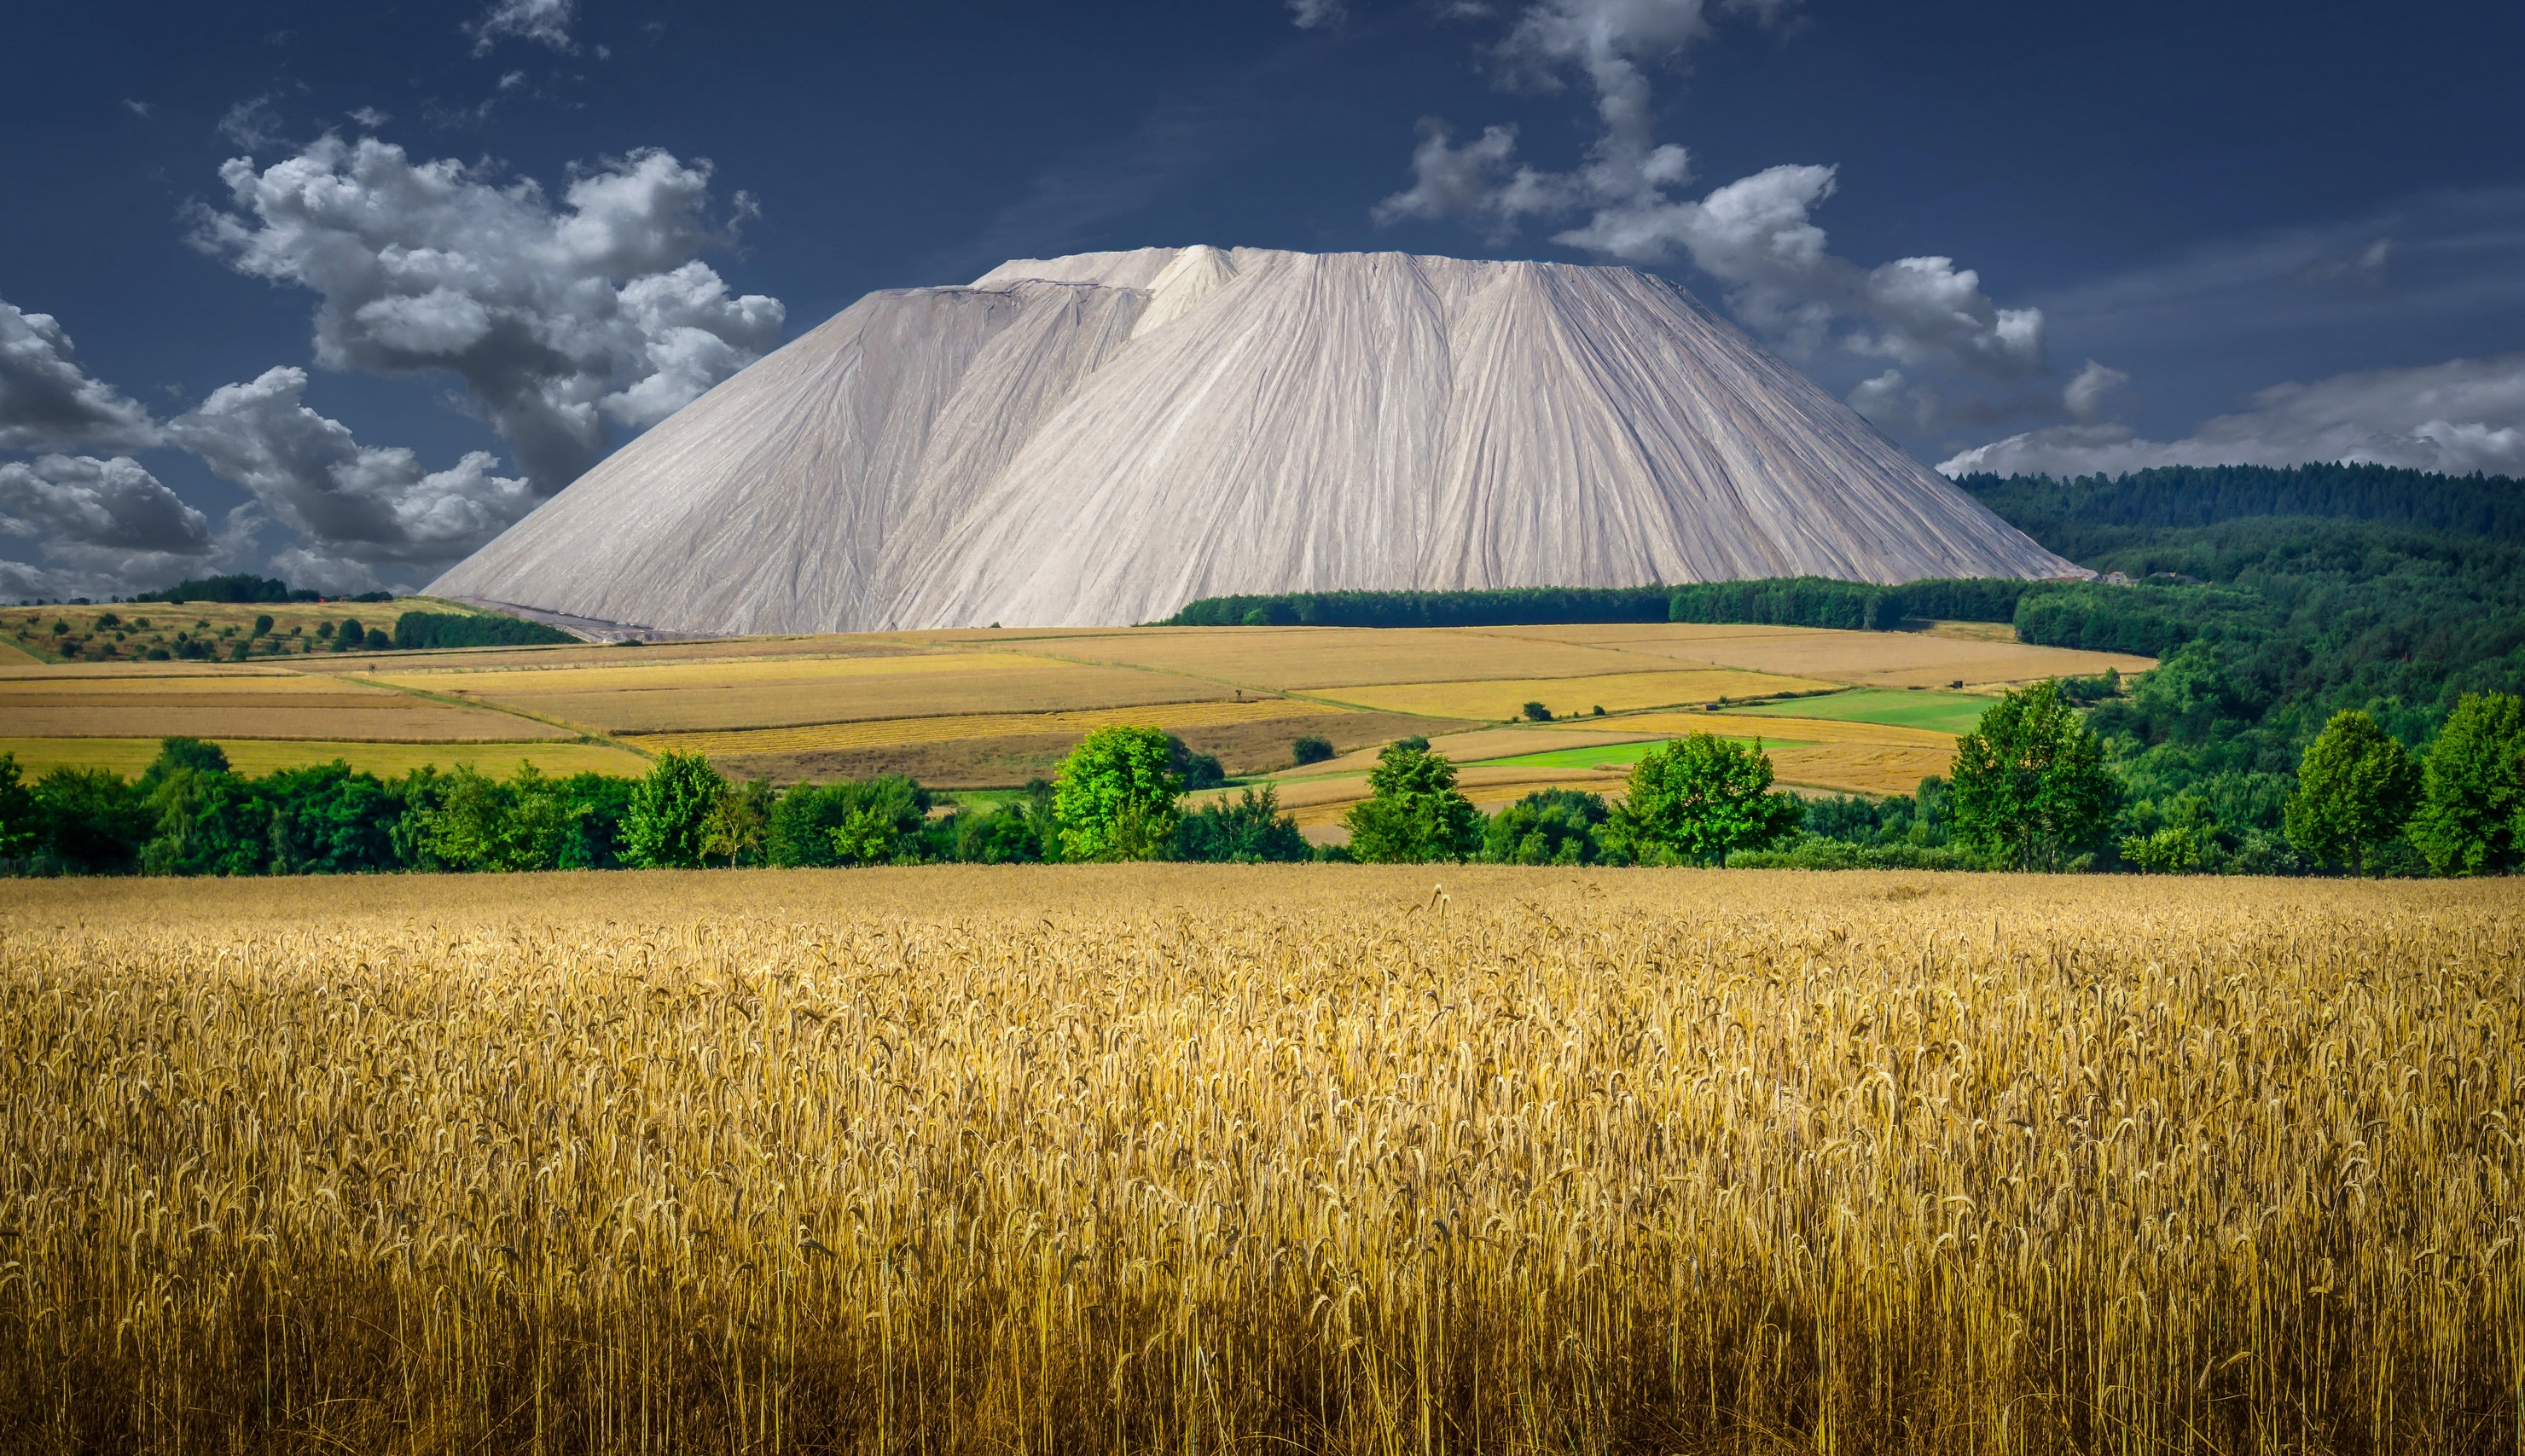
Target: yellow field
1305,659
241,702
255,756
1857,768
1308,1158
891,732
1570,696
683,697
1884,659
1773,729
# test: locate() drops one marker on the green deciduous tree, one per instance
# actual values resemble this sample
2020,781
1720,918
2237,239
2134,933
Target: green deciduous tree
1115,796
2355,787
669,807
1413,814
2471,816
1692,800
736,824
2029,782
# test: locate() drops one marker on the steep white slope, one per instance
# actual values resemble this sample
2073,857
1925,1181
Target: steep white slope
1099,439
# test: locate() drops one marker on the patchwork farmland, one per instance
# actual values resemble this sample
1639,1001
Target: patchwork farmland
979,709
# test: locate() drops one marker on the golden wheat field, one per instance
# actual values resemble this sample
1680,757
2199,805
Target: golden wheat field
132,757
1263,1159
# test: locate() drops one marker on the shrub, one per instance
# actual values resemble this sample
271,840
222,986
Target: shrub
1252,830
1550,826
1310,749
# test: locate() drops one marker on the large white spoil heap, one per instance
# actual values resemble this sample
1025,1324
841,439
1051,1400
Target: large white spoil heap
1100,439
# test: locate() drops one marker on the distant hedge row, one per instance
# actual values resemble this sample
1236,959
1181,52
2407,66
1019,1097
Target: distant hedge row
442,629
1785,601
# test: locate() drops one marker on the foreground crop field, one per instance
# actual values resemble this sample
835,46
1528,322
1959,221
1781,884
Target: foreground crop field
1322,1159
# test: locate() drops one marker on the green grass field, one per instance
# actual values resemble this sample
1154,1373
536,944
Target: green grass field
1943,712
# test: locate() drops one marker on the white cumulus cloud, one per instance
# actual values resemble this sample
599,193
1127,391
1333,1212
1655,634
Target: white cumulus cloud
557,318
345,499
47,402
1925,315
2459,417
544,21
83,501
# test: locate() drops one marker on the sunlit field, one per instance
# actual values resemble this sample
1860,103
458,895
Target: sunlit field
1316,1158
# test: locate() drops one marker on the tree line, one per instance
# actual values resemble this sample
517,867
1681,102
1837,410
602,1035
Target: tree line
2030,789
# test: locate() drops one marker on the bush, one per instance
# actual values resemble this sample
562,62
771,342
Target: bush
1252,830
1311,749
1536,712
1550,826
1815,852
1195,770
872,822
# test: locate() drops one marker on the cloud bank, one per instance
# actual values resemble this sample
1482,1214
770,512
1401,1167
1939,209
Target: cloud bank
1926,318
558,319
47,402
2463,416
345,499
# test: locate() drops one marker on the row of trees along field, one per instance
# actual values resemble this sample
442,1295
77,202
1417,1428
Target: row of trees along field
2030,789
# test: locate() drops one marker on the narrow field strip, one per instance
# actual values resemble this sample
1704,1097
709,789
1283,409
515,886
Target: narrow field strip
1571,697
1775,730
893,732
251,756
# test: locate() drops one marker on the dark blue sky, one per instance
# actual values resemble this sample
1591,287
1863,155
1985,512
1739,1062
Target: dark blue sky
2208,201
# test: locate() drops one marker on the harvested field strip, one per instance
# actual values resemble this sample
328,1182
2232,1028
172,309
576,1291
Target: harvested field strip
1858,768
1939,713
1500,697
586,655
247,756
134,677
1785,727
891,732
1313,658
723,696
241,703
